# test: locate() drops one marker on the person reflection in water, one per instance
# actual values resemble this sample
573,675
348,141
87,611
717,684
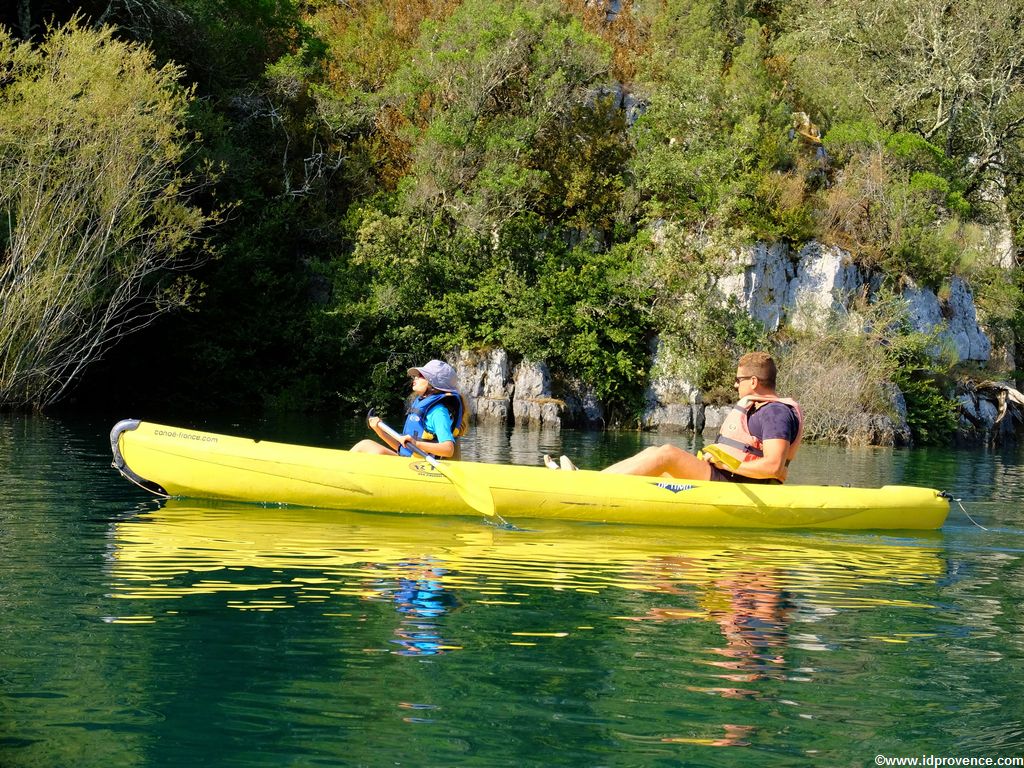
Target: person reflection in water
422,600
752,612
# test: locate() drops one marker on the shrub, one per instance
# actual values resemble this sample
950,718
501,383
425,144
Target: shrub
895,204
97,210
932,417
849,370
835,379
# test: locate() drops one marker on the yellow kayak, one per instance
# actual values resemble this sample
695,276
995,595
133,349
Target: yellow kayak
176,462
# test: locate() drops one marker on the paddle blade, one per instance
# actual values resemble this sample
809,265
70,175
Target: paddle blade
474,494
722,459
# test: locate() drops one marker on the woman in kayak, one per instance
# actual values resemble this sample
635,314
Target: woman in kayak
435,419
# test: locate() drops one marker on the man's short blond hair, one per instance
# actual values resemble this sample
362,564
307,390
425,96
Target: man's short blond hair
759,364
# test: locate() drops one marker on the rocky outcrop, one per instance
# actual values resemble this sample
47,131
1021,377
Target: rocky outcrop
671,402
532,400
582,406
714,417
803,290
526,395
623,100
810,288
882,429
486,384
955,319
826,281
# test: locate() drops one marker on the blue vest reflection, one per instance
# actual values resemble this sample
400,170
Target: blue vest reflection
422,601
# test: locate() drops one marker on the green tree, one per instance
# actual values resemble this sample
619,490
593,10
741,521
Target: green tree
95,206
487,84
515,160
921,106
898,205
950,73
712,148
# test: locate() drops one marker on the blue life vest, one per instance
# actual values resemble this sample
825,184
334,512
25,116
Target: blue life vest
416,420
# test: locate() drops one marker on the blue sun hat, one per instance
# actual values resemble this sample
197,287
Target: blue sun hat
439,374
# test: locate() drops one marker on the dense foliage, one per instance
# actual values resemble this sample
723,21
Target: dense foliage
563,179
96,214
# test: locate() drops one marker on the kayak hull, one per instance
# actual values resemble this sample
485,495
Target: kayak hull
171,461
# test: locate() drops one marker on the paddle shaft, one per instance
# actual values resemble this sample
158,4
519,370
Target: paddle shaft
411,445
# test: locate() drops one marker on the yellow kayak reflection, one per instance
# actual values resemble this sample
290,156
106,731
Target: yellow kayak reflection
733,613
304,555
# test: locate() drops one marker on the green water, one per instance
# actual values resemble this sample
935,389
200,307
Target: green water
140,633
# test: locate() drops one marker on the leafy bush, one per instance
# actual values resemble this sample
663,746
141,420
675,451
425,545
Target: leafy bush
896,204
95,201
849,371
931,416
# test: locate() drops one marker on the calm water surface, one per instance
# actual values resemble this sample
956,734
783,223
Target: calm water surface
143,633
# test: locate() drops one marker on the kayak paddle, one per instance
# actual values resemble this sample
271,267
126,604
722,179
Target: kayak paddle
479,498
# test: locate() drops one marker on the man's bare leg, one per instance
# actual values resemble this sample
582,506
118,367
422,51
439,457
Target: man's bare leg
663,459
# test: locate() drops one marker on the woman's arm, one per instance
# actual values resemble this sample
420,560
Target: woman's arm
444,450
374,423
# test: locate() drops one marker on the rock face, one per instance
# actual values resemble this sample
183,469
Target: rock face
807,289
525,395
714,417
532,401
760,284
803,290
486,384
825,283
581,403
956,319
622,99
671,402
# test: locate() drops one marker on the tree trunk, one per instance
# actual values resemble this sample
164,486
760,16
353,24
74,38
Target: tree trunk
25,18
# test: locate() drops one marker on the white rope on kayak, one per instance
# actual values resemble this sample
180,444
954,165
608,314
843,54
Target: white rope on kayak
964,510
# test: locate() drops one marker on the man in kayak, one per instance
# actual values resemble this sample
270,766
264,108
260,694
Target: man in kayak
758,439
435,418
